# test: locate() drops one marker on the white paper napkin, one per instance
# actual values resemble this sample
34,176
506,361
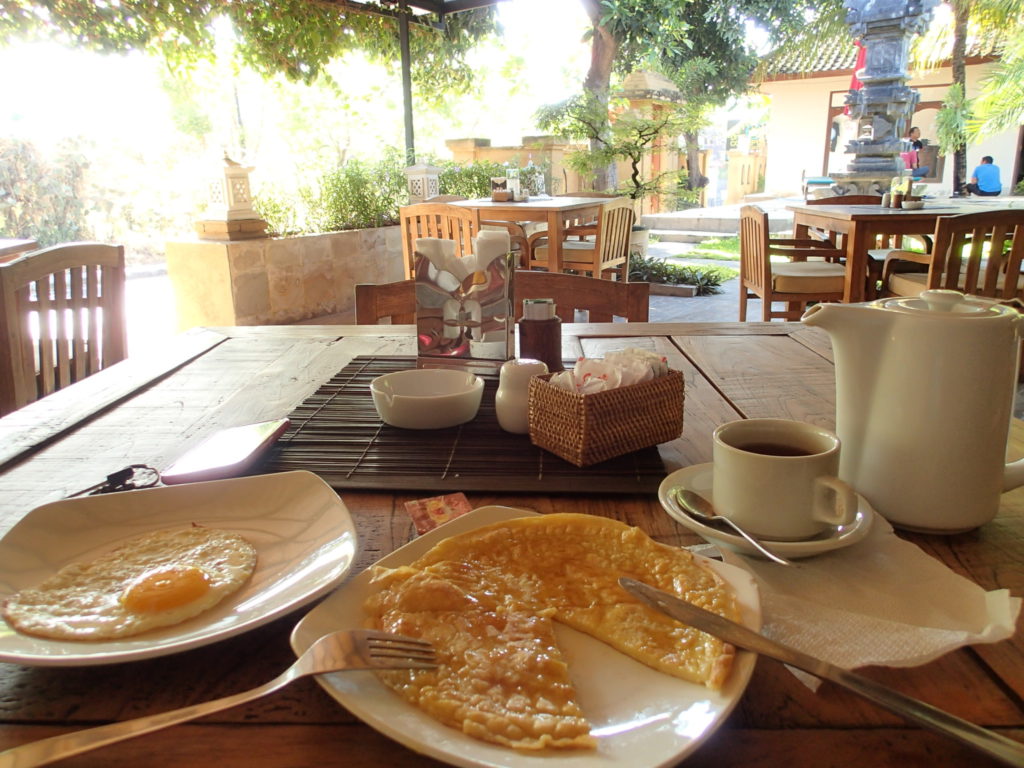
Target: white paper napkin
882,601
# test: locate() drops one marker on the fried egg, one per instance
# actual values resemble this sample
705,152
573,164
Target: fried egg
156,580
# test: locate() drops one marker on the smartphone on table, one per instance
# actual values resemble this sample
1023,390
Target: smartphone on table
225,453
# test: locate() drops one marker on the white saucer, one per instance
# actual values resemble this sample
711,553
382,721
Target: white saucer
698,479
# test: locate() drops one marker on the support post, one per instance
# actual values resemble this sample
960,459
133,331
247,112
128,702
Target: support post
403,42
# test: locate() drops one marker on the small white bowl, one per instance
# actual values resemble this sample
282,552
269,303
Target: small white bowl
913,205
427,398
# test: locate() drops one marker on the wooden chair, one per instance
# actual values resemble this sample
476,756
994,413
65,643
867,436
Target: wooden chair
386,301
442,220
977,253
62,318
451,222
797,283
606,254
602,300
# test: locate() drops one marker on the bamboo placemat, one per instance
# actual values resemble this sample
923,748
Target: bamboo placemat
337,434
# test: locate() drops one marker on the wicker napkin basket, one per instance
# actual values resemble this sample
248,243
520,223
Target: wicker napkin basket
586,429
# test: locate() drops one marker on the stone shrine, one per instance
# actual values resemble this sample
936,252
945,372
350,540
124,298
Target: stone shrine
885,104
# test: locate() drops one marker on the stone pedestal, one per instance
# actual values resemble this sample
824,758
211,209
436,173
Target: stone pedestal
242,229
283,280
866,183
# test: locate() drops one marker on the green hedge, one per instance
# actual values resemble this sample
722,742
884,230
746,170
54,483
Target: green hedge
361,193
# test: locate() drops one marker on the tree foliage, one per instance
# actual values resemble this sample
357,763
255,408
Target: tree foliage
42,199
951,121
632,136
702,45
294,37
1000,105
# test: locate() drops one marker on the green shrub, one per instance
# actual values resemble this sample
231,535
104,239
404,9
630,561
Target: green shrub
42,198
357,194
707,280
474,180
360,194
280,212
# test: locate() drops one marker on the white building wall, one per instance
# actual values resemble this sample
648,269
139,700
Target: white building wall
797,130
798,125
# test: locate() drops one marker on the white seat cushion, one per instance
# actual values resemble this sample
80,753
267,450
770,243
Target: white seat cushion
808,277
912,283
907,283
572,250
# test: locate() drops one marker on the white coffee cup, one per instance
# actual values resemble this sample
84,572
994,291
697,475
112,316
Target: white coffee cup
776,478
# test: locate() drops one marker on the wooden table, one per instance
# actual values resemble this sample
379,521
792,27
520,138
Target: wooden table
210,379
862,225
556,212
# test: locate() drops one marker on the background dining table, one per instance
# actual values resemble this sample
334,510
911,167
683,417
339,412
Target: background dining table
557,212
151,408
863,225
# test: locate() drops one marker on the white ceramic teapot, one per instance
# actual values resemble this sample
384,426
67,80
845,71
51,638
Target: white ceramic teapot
924,395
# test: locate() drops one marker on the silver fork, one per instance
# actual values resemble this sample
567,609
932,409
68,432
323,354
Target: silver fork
349,649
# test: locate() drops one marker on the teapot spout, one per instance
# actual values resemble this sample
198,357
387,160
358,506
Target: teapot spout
832,317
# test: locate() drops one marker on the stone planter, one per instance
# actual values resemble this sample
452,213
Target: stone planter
280,280
638,240
662,289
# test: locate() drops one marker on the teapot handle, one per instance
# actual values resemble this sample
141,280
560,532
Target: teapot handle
1013,475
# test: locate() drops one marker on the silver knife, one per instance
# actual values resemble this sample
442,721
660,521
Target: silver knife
997,746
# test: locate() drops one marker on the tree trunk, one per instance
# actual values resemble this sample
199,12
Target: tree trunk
961,10
694,178
603,49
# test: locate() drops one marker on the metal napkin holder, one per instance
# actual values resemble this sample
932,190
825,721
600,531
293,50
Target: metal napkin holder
464,313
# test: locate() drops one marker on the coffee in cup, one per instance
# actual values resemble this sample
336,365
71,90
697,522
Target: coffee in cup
776,478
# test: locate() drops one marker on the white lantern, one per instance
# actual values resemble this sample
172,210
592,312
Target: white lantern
424,182
230,198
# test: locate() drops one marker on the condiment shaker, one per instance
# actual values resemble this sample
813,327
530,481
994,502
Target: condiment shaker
540,333
512,400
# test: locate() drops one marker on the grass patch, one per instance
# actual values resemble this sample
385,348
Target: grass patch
722,249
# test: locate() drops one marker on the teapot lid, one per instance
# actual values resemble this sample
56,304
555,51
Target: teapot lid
940,301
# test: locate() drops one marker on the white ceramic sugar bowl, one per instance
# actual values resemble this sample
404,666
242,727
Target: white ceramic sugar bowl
512,400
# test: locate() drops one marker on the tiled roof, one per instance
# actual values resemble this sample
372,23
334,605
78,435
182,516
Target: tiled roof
839,54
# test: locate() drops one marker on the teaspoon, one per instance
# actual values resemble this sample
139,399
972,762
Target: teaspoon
697,506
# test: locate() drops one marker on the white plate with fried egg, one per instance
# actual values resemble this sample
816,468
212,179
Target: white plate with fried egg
641,718
303,536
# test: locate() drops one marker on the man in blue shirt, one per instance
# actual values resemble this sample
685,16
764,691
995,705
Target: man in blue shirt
985,179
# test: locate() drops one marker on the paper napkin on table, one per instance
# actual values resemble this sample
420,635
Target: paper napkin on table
882,601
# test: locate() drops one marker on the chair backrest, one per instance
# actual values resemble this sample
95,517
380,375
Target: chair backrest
755,266
394,301
846,200
441,220
979,253
62,318
602,299
614,225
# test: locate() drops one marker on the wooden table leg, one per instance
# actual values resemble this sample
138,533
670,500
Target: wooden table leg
556,233
856,263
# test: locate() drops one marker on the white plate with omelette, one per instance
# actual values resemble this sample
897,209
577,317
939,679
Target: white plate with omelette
640,717
303,536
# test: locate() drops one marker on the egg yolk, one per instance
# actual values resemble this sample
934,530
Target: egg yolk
166,588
